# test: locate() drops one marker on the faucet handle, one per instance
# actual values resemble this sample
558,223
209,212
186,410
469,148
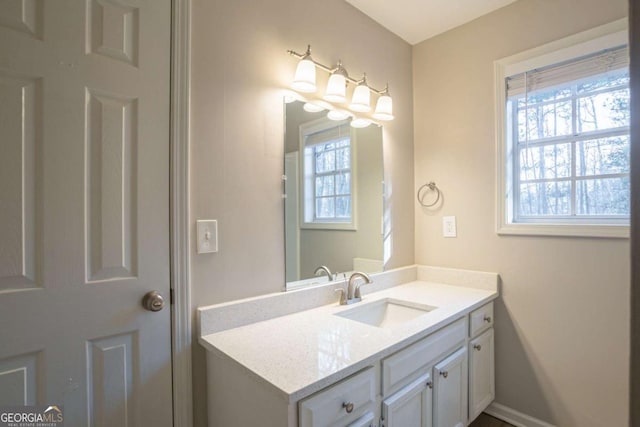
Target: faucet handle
343,296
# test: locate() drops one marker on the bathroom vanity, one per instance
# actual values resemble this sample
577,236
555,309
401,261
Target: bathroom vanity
416,351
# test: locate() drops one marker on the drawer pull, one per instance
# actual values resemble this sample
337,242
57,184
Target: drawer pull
477,347
444,374
348,406
430,384
487,319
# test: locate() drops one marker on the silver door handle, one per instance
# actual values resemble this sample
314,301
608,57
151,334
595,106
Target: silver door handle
153,301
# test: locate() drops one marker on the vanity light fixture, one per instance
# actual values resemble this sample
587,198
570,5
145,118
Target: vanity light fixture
361,100
336,91
305,77
384,106
337,85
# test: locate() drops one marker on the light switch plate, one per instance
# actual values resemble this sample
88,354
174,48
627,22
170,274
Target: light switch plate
207,230
449,226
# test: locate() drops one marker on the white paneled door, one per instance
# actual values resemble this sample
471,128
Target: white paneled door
84,202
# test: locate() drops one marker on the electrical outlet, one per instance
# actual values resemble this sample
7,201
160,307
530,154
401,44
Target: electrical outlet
207,230
449,226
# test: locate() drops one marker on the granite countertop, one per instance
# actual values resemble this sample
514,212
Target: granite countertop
301,353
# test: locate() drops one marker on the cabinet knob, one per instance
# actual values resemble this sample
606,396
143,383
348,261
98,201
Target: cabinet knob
477,347
487,319
348,406
430,384
444,374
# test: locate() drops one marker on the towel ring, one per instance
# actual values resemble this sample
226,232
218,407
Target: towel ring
431,186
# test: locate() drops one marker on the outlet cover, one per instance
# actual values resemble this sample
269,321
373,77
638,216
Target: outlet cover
449,226
207,230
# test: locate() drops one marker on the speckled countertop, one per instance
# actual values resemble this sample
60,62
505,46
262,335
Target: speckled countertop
301,353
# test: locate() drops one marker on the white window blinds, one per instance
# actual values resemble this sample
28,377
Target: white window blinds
606,61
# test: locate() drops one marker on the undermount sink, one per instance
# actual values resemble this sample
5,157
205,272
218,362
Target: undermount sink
386,313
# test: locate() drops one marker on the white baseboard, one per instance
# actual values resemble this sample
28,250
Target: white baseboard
514,417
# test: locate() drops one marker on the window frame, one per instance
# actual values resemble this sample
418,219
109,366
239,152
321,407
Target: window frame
309,128
585,43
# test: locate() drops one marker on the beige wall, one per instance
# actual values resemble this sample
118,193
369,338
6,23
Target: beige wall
562,331
239,66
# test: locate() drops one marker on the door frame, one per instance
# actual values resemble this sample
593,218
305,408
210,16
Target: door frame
179,213
634,66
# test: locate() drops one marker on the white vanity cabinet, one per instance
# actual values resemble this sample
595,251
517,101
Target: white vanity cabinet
411,405
443,380
425,384
481,360
435,372
481,373
450,391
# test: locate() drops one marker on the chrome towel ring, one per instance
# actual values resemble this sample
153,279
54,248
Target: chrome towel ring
431,186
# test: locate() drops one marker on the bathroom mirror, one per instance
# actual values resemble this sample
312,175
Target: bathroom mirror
333,201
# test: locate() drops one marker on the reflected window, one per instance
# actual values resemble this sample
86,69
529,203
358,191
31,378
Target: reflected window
328,173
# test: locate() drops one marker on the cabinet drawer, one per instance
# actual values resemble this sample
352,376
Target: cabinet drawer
481,319
340,404
409,363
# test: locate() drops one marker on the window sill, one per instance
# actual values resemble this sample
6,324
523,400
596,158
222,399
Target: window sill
339,226
565,230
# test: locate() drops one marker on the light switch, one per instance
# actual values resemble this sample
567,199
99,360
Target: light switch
449,226
207,236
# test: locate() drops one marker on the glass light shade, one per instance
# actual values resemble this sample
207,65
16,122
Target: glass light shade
305,77
384,108
336,88
360,123
361,100
312,108
337,115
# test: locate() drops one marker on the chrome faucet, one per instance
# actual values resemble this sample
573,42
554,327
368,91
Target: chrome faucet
353,289
352,294
323,269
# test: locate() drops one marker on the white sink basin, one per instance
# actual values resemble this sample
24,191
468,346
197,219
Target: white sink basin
386,313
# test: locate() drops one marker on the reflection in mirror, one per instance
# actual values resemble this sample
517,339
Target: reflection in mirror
334,197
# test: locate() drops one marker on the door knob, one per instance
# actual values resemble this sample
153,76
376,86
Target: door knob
153,301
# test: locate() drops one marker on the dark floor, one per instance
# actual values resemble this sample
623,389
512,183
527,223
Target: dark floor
485,420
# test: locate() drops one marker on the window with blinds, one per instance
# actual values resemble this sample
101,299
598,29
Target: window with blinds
327,170
566,126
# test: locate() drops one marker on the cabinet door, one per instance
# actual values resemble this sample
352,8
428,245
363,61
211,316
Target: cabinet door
365,421
410,406
450,391
481,374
